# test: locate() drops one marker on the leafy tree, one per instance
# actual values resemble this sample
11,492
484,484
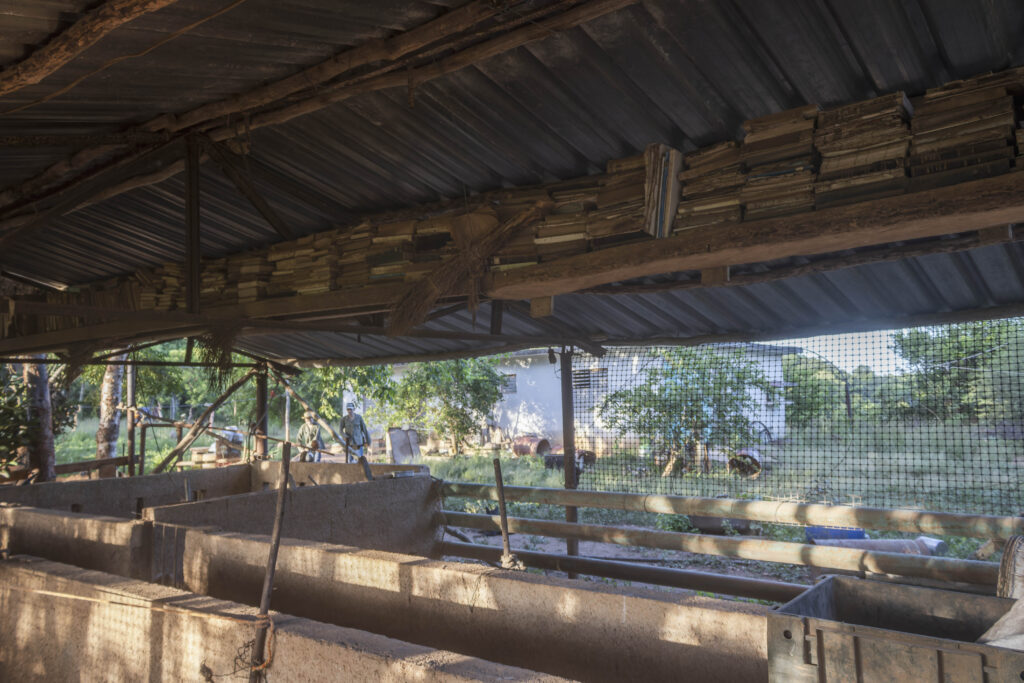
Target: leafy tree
999,385
14,428
949,365
814,390
691,396
324,387
451,397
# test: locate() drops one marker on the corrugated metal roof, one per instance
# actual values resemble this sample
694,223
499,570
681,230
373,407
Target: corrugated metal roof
867,296
684,73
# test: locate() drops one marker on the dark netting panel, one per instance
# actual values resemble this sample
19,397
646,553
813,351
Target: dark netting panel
926,418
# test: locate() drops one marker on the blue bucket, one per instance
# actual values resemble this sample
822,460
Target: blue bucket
816,533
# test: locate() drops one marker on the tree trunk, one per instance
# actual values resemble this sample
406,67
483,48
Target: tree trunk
41,453
110,416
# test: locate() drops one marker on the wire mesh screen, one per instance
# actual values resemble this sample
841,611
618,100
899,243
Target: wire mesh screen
927,418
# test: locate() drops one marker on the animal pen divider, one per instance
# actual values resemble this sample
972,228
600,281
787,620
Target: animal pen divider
929,418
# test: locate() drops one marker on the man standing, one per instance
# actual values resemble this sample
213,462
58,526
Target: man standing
310,439
355,431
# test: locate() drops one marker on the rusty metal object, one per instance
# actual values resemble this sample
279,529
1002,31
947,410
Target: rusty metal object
531,445
882,519
849,559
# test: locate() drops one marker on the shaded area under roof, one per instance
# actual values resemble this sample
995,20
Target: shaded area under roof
988,279
683,73
686,73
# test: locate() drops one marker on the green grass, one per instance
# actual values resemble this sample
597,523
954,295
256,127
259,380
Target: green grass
955,467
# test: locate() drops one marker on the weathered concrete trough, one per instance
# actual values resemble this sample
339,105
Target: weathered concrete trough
63,623
582,630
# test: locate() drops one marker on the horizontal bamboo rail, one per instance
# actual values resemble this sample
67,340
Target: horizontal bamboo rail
881,519
826,557
70,467
760,589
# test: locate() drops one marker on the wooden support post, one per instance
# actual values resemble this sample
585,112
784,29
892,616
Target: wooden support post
142,449
497,312
192,244
131,414
572,545
233,166
542,307
262,407
711,277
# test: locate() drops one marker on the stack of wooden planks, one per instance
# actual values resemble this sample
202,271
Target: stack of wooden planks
778,154
616,215
216,287
964,130
863,148
712,180
962,134
161,288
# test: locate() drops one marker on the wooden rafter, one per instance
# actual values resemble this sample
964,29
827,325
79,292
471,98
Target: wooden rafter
235,169
884,254
449,24
71,42
968,206
320,98
97,184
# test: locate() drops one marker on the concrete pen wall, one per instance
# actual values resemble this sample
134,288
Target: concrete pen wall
400,515
92,626
576,629
127,496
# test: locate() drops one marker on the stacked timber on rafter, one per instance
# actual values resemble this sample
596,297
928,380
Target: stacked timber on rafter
863,150
800,160
711,187
718,188
778,153
962,134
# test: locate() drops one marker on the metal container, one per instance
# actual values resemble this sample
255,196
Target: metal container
848,629
531,445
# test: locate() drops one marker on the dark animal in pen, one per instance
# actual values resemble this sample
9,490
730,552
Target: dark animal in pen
583,458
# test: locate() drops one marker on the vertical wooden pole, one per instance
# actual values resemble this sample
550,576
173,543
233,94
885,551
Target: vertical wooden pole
572,545
268,578
142,450
192,246
262,400
497,312
132,415
287,416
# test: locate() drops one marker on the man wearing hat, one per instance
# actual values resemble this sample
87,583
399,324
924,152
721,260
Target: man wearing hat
355,431
310,439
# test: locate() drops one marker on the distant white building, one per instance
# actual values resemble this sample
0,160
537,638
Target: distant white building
531,403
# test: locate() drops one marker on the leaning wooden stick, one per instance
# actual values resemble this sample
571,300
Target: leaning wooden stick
200,425
259,664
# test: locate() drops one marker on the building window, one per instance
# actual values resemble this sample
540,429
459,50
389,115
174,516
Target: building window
508,384
592,378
